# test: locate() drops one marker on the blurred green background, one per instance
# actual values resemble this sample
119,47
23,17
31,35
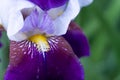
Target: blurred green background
101,23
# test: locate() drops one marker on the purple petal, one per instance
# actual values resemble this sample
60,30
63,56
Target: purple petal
31,21
59,63
0,44
0,37
48,4
38,22
77,40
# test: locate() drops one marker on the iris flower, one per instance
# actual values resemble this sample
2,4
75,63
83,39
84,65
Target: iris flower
45,44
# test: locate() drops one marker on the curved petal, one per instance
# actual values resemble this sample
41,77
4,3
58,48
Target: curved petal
59,63
77,40
48,4
7,5
62,22
73,7
15,23
16,20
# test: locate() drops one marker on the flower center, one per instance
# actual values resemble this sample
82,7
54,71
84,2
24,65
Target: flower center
41,41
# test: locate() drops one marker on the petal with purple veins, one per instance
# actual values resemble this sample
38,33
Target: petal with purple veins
77,40
59,63
38,22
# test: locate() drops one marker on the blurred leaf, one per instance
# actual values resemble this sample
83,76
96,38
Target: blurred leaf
112,13
3,55
100,43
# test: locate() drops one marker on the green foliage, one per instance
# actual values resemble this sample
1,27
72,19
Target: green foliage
3,55
100,21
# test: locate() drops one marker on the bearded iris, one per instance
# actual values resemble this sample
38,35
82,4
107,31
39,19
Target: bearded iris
44,41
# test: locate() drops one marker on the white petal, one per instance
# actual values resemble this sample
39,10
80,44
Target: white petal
85,2
62,22
5,6
18,37
55,12
0,21
21,4
15,19
15,24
